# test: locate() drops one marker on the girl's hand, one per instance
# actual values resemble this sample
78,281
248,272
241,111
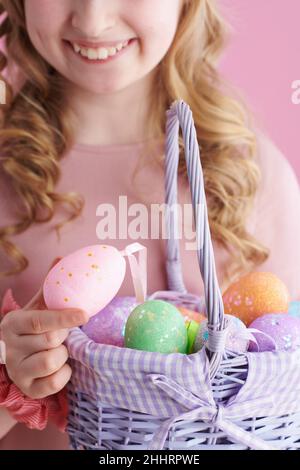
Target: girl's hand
35,356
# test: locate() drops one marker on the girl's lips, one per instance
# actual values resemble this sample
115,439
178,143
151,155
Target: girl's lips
99,61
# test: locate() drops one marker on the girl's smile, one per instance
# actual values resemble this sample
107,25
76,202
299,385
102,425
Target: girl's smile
98,56
71,34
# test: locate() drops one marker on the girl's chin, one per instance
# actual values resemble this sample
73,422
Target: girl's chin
96,89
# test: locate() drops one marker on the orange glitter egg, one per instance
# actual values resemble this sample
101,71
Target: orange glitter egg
191,315
256,294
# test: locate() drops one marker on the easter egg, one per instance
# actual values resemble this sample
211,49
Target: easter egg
189,315
88,279
108,325
254,295
192,331
283,330
294,309
156,326
237,339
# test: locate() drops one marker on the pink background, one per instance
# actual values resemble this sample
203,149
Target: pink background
263,59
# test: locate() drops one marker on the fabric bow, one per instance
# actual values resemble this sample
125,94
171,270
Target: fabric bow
212,413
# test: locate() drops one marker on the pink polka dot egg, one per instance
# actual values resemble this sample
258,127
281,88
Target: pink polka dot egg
87,279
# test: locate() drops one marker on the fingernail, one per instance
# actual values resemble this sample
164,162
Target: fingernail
79,315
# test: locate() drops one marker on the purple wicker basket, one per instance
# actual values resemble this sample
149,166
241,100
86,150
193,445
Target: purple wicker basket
127,399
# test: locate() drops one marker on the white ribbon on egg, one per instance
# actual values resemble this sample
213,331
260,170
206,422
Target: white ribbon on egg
138,269
247,334
254,330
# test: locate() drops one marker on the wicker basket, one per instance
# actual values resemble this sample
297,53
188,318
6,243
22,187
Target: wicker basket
214,399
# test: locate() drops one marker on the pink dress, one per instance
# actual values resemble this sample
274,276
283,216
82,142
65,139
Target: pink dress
103,174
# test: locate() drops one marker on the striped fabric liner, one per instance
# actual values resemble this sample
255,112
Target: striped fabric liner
123,377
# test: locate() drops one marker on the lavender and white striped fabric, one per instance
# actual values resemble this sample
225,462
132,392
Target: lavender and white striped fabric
177,386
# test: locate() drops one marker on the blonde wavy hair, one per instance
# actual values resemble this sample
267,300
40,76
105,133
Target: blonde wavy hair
36,132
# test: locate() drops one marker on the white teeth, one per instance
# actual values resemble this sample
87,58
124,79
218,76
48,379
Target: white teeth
119,46
92,54
84,52
112,51
101,53
76,47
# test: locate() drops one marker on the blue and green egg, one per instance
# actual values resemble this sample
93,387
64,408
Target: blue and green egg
156,326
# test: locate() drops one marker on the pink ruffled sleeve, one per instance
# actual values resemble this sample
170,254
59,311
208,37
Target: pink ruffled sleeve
8,303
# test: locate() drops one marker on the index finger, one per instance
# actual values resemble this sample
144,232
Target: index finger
39,321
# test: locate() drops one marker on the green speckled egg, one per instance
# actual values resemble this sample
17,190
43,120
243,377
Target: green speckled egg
156,326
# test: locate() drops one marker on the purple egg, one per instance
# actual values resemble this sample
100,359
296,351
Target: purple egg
237,339
108,325
282,328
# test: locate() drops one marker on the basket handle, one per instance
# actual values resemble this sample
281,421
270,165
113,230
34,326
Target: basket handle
181,114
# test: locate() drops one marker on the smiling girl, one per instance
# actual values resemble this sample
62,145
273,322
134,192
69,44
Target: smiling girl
88,85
